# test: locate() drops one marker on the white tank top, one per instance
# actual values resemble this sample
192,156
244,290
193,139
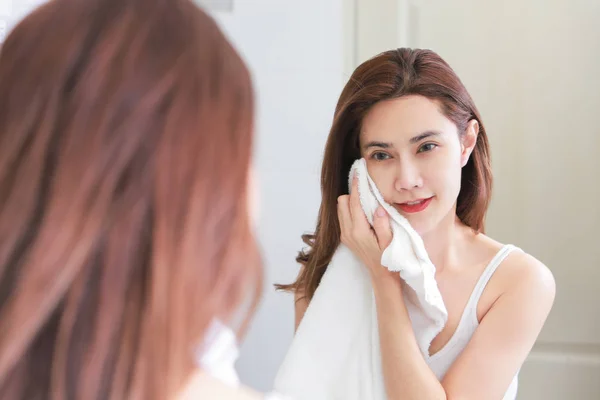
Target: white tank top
441,361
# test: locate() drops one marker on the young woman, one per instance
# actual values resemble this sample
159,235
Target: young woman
125,145
408,114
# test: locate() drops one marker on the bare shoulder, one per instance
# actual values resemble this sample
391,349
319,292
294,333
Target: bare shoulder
525,280
519,269
521,279
203,386
521,300
528,274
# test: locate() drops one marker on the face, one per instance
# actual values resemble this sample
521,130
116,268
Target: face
415,155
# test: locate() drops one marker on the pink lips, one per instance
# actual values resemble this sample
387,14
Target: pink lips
416,206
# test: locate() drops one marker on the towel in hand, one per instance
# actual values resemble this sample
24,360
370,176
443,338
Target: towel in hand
335,353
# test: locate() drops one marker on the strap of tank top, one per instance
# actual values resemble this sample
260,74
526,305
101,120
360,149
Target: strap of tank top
487,274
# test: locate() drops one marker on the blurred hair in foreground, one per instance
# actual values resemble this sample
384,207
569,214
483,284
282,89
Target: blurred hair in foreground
125,144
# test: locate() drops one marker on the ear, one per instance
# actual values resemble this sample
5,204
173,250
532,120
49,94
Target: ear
468,141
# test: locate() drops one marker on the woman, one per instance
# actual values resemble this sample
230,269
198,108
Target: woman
125,144
408,114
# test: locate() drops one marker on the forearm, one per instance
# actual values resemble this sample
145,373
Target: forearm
406,374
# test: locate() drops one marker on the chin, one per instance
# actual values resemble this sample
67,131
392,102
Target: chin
425,221
422,224
423,227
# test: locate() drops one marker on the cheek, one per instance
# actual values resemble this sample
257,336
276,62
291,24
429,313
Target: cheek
383,176
444,175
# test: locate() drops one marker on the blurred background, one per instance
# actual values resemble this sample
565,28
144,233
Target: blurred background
532,68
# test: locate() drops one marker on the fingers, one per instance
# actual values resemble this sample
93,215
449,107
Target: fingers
354,225
343,210
358,215
354,198
382,228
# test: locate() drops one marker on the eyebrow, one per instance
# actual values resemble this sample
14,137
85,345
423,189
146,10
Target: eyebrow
382,145
424,135
413,140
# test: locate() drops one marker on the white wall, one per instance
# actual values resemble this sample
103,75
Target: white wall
532,69
12,11
295,52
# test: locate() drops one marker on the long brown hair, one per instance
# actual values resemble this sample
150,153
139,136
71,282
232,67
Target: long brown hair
125,145
390,75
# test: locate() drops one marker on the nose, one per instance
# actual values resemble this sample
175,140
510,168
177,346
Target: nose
408,176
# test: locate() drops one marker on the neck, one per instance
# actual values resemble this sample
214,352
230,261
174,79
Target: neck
443,243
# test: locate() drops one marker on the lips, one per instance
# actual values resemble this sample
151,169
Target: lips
414,206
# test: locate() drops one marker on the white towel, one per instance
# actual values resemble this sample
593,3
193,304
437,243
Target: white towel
219,352
335,353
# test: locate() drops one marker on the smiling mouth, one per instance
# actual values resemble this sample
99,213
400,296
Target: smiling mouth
415,206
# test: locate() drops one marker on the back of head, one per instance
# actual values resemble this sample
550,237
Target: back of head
125,144
390,75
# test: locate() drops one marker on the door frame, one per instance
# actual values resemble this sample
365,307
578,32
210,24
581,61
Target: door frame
396,27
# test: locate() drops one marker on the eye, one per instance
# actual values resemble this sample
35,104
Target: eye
380,156
427,147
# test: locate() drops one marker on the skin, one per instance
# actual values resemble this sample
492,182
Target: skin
200,384
203,386
413,152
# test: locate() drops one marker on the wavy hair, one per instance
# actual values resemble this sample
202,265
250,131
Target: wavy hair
125,145
390,75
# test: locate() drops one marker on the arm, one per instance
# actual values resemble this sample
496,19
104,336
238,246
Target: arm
494,355
505,335
405,373
497,349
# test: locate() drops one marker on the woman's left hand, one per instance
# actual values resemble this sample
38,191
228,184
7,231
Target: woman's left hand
366,242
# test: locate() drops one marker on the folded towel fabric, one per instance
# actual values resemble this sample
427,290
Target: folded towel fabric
335,353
